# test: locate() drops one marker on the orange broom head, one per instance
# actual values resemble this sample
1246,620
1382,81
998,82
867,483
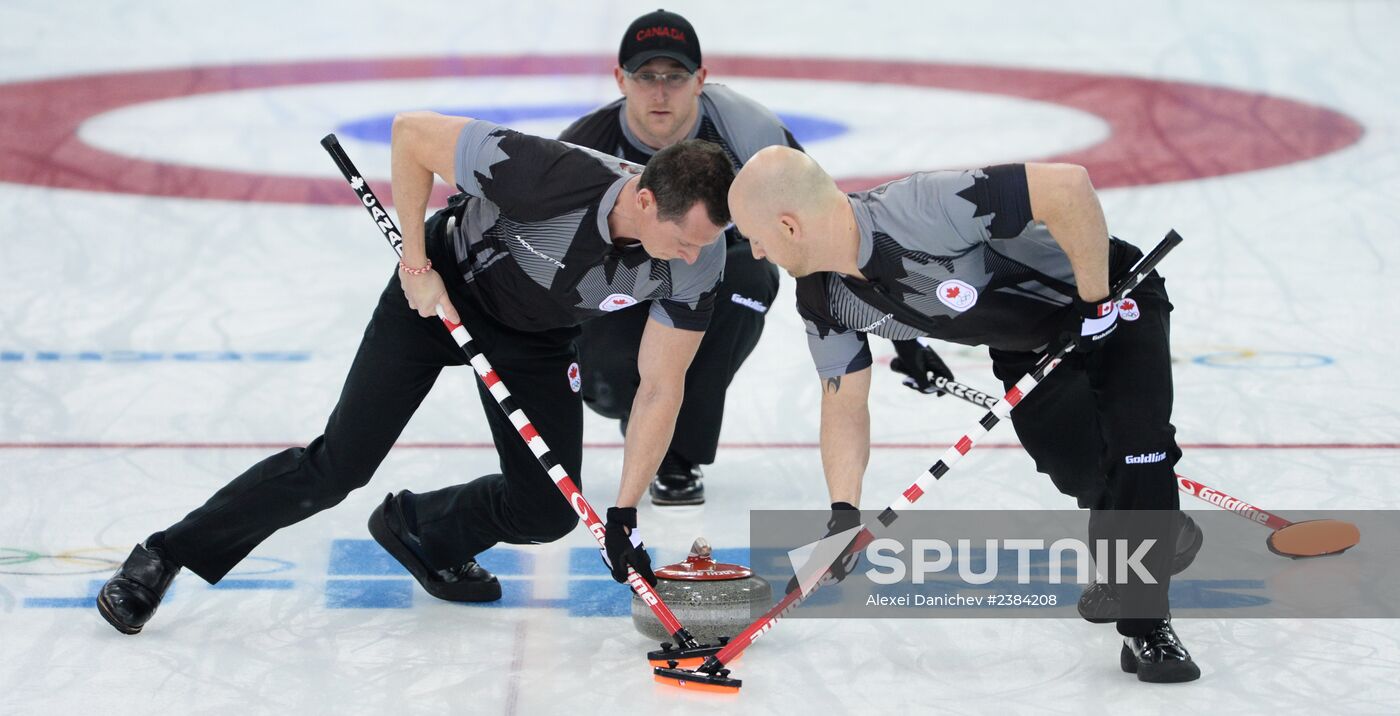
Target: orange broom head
697,680
1314,538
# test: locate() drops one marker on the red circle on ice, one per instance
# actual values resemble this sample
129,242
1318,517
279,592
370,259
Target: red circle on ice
1160,131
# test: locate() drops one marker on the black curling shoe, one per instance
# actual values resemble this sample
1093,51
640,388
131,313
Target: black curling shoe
1159,657
129,599
468,582
1099,602
1189,539
677,482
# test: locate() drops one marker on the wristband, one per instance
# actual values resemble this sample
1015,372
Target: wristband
415,271
1096,316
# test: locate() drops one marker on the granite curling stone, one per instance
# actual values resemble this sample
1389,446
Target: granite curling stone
711,599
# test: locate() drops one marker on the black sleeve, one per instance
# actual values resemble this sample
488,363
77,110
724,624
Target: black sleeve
812,305
1001,191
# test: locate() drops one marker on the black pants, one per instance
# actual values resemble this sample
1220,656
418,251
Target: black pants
1100,427
398,360
608,354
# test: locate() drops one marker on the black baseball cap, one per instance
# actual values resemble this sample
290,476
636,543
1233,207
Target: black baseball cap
659,34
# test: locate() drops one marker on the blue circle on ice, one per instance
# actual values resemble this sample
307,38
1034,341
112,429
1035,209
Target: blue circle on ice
806,128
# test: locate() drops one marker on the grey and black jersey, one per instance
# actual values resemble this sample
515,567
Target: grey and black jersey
953,255
532,237
739,125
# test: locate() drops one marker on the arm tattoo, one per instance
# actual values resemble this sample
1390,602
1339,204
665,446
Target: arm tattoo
833,385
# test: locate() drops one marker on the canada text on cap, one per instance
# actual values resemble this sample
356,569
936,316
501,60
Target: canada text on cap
659,34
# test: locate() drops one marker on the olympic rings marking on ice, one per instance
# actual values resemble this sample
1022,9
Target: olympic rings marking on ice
1263,360
74,557
21,556
1238,359
86,564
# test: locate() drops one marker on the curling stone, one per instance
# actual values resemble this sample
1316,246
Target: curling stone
712,599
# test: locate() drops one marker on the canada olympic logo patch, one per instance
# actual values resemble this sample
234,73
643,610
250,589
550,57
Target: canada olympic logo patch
575,380
957,295
617,302
1128,310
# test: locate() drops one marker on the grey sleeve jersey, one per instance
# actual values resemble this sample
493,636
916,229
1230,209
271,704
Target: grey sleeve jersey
954,255
534,240
692,297
743,125
836,319
836,350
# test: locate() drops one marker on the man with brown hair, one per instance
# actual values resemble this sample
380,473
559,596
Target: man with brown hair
543,237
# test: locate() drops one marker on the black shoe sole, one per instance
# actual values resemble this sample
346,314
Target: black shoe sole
103,609
1170,672
1096,618
1182,560
665,502
446,591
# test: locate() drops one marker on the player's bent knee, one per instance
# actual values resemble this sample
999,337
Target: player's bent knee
340,483
556,527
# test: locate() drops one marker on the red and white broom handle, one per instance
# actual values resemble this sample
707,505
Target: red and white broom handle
1000,410
1185,484
1231,504
498,391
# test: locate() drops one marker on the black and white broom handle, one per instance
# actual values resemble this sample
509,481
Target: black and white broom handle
1000,410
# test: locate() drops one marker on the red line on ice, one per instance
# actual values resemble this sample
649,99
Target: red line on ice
616,445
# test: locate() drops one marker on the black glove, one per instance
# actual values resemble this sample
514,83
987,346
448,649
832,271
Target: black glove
921,365
1093,323
624,545
844,516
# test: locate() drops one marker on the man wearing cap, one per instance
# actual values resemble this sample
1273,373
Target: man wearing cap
665,99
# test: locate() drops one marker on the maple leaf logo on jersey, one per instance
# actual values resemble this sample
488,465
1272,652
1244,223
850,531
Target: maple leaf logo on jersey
1128,310
575,380
617,302
889,262
982,195
357,183
957,295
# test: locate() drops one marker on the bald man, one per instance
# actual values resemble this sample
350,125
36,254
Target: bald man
1017,258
